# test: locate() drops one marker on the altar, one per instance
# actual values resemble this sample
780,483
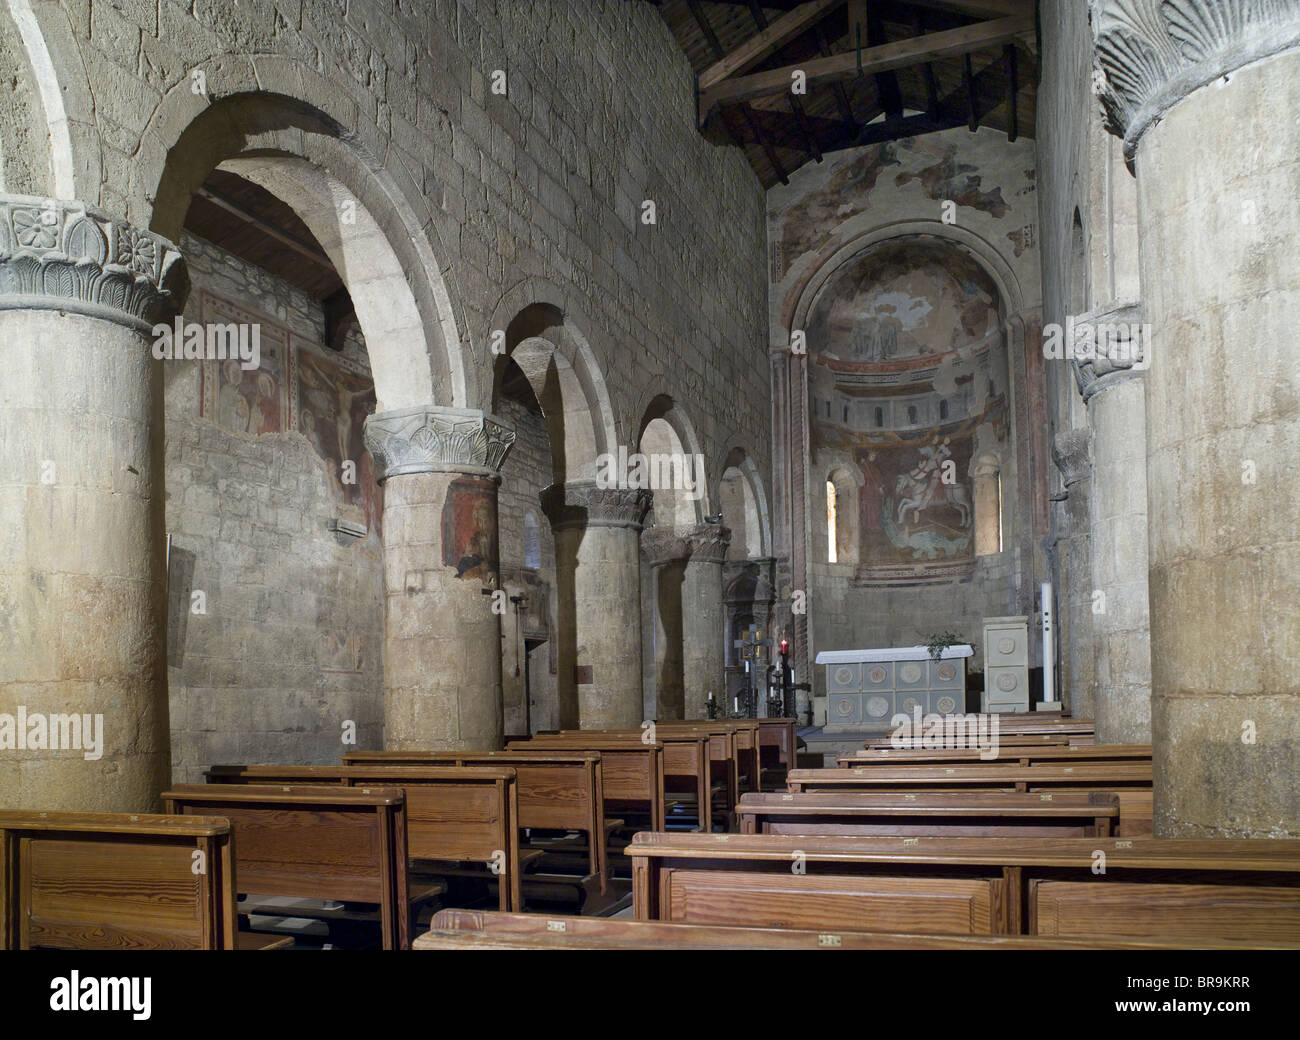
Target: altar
865,689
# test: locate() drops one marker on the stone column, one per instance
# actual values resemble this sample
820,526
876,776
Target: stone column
1205,94
1121,630
1071,453
703,624
668,552
598,579
83,580
442,630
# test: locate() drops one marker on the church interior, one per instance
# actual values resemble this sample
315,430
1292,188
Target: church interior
650,474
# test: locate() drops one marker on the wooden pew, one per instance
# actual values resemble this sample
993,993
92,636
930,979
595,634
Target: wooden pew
119,881
942,813
1181,889
1005,740
556,790
1009,755
1130,780
455,815
315,842
633,770
489,930
686,760
780,736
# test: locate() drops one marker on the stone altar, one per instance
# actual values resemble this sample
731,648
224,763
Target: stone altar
865,689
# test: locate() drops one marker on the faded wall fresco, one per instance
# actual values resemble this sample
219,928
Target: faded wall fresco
884,258
296,387
906,365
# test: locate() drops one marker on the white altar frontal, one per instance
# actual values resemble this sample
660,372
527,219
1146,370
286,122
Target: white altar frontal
865,689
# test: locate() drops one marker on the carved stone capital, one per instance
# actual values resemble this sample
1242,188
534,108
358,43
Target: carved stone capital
430,439
1153,53
663,545
1125,357
68,256
709,543
587,505
1072,453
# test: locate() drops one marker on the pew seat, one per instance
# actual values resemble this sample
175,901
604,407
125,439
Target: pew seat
489,930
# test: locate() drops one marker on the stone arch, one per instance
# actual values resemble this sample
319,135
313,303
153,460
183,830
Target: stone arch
543,338
72,159
666,428
751,533
363,220
976,246
847,482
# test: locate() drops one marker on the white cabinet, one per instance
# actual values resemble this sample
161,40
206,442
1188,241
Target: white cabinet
1006,664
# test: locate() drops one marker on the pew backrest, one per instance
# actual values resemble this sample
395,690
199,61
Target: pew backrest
314,841
115,881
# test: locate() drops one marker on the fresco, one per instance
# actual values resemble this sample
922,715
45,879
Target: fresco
333,402
300,386
249,401
469,529
908,371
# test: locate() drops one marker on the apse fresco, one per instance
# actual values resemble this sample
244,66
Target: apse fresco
908,373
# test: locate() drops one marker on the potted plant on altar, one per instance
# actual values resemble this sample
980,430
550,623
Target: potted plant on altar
936,644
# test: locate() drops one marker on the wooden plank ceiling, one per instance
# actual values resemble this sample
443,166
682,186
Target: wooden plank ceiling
247,220
875,70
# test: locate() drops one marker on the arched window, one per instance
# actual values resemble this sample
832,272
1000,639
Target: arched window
880,418
986,475
532,542
943,409
842,511
911,415
832,539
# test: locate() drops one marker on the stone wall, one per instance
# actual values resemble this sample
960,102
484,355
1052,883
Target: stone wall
289,646
527,569
539,191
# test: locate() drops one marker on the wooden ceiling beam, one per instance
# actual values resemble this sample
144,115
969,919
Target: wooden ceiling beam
796,105
769,38
838,67
235,209
702,20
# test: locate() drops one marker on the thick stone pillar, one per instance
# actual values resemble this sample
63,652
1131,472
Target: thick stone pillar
598,580
1121,628
83,580
668,552
704,625
1072,456
442,630
1205,94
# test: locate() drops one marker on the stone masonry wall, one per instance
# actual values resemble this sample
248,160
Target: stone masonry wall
291,644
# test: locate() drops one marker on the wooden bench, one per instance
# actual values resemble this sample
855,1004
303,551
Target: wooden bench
687,757
489,930
119,881
1238,891
1010,755
1131,781
937,813
454,815
780,736
556,790
633,770
315,842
